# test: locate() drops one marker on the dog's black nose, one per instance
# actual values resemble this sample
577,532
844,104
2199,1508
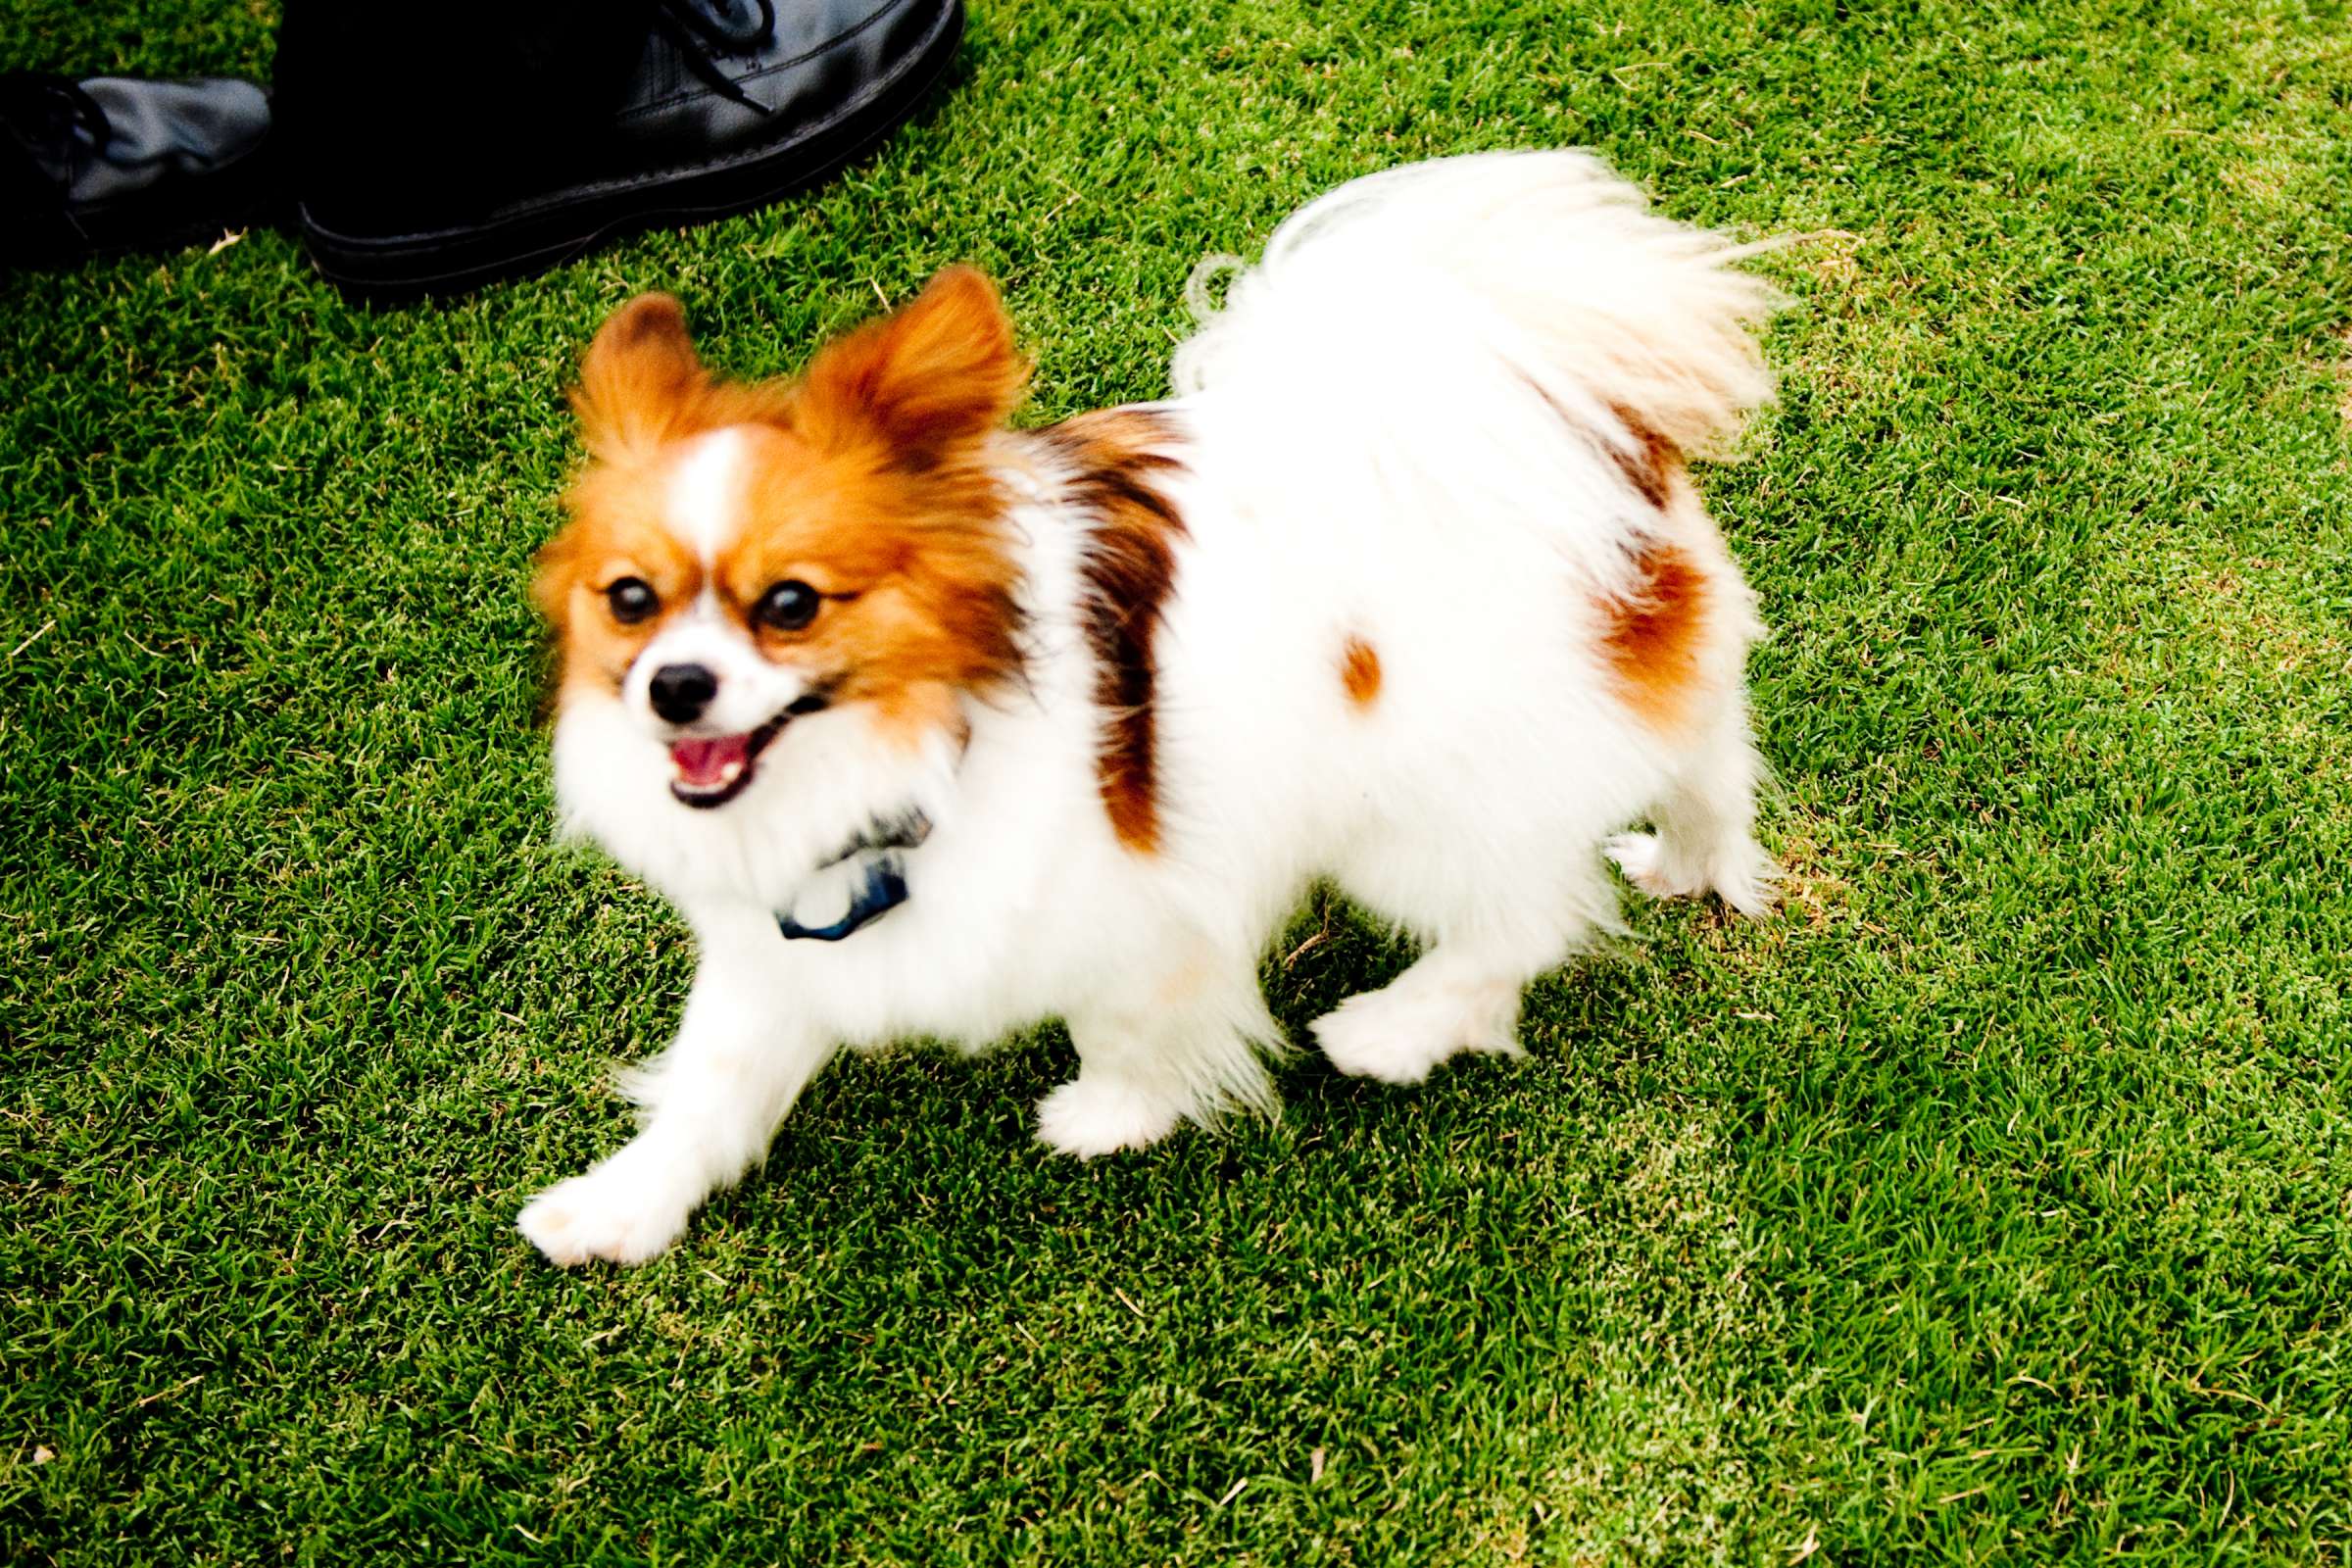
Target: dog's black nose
680,692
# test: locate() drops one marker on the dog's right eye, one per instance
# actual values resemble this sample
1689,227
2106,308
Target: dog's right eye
632,600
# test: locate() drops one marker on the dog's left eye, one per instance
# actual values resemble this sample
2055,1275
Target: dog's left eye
787,607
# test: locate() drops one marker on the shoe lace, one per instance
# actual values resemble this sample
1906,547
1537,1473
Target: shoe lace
41,103
701,32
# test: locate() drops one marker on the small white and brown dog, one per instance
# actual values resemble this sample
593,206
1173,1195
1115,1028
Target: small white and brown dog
929,726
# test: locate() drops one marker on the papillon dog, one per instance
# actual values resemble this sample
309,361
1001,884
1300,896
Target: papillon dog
927,725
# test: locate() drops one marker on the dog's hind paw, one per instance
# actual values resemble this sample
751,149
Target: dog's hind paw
1741,874
1643,860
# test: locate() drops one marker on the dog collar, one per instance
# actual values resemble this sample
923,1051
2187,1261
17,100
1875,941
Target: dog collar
883,890
883,887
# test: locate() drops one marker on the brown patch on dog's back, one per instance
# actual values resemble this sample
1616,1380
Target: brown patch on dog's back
1651,466
1114,459
1360,671
1651,636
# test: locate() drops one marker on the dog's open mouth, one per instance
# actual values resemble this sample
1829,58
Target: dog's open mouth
713,771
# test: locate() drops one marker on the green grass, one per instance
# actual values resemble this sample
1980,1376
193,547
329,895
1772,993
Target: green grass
1992,1203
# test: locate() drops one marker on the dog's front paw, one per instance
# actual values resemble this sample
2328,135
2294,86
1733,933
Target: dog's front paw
604,1214
1091,1116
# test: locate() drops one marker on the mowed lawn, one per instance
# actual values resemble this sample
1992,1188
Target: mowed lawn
1991,1204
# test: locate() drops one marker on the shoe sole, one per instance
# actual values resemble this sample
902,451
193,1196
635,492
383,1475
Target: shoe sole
398,266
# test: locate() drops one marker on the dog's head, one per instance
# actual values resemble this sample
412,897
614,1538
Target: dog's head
740,555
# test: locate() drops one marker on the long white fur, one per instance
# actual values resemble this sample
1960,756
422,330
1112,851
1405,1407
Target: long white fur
1399,430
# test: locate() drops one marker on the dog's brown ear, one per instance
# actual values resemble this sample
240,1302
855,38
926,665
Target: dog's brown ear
639,380
939,374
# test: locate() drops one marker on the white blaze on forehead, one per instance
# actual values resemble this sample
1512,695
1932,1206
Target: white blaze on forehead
704,502
705,497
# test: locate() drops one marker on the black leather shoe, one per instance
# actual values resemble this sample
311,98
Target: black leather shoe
112,164
717,106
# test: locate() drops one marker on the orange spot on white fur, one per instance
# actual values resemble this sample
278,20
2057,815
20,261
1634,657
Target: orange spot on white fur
1651,637
1360,671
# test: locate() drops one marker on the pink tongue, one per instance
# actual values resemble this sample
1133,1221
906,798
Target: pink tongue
703,763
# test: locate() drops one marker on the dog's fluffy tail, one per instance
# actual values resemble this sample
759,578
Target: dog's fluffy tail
1463,309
